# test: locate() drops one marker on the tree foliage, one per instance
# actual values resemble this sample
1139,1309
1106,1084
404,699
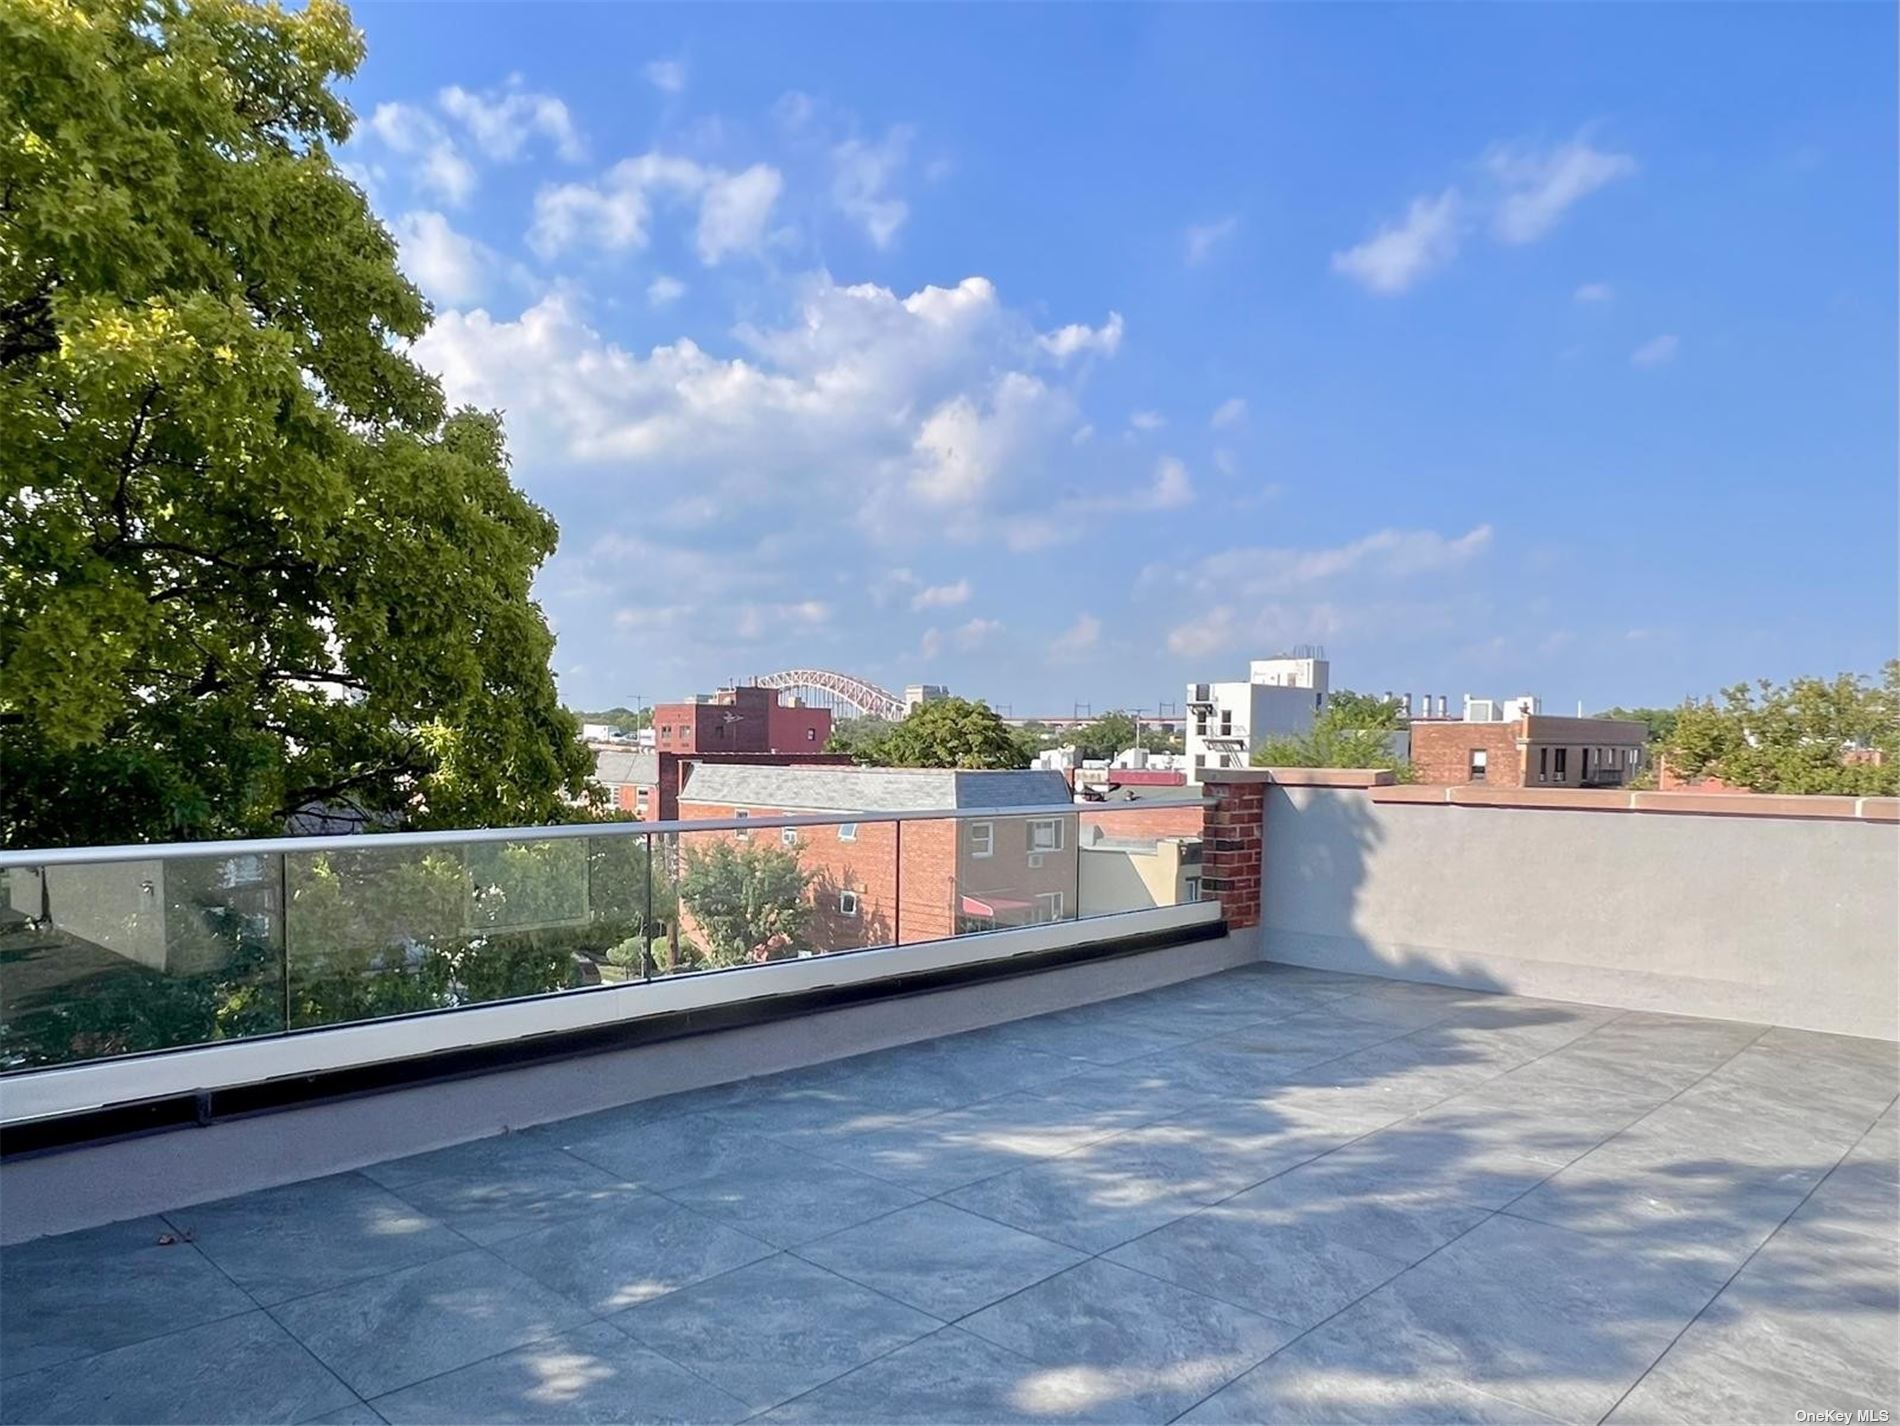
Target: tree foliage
858,736
1809,735
949,732
248,564
1341,737
748,901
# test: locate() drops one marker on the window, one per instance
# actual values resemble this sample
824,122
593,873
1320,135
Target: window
847,831
982,838
1191,888
740,833
1560,759
847,903
1200,759
811,735
640,800
1480,761
1048,906
788,836
1045,835
1543,764
1226,722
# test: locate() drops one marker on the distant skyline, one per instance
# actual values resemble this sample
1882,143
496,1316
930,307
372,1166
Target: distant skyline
1066,353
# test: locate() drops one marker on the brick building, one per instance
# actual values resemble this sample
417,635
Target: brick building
740,720
946,877
1533,750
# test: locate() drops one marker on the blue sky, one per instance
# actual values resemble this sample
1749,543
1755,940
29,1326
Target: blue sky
1072,353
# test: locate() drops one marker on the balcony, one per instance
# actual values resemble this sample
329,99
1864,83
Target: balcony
1288,1166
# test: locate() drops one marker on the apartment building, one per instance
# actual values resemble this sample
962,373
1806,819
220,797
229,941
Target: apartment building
1509,744
646,782
1227,722
740,720
956,875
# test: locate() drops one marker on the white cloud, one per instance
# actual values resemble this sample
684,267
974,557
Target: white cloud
1382,555
666,75
1078,640
931,644
1079,337
735,210
614,213
1401,253
451,267
498,123
663,291
1594,292
1230,412
1147,420
1214,631
941,596
1538,188
438,167
1656,351
1202,238
977,633
1169,488
933,415
861,174
501,121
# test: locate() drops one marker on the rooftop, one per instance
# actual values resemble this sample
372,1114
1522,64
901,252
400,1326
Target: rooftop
1269,1194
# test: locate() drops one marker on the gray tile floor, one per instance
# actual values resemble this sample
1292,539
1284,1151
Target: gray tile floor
1269,1195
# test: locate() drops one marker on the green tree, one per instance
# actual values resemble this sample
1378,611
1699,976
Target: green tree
1809,735
1661,722
949,732
858,736
748,901
248,564
1346,709
1339,738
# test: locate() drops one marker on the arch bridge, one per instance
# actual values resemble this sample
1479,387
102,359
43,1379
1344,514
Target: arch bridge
840,692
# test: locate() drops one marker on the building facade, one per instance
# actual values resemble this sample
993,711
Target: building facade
1532,750
646,782
1227,722
874,885
740,720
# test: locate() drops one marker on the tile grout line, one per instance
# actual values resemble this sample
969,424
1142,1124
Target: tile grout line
1741,1266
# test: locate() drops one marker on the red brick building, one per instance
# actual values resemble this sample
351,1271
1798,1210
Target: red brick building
947,876
740,720
1539,750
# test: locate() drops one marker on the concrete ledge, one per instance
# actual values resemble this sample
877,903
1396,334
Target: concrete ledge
1303,776
1615,799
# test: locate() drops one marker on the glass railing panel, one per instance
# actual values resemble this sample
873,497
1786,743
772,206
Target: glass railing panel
965,875
745,896
376,931
1137,856
113,958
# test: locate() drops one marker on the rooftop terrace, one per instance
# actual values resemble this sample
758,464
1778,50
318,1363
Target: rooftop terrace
1269,1194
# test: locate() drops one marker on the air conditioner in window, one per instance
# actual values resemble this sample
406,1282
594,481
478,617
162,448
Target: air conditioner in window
1035,859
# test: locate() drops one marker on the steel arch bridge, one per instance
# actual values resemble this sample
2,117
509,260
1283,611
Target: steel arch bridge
839,692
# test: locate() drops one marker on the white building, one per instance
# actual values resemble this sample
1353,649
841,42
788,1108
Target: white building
1228,721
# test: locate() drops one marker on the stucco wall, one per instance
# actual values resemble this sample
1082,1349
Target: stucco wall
1782,921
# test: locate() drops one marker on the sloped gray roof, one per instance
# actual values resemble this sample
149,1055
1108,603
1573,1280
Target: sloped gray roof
613,766
868,789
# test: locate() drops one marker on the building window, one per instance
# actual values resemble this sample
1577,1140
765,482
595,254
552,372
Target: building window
1045,835
1226,723
847,903
788,836
640,800
982,838
740,833
1543,764
1191,888
811,735
1480,760
1048,906
1560,760
847,831
1200,759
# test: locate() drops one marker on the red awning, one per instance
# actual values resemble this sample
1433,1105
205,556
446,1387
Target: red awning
993,905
